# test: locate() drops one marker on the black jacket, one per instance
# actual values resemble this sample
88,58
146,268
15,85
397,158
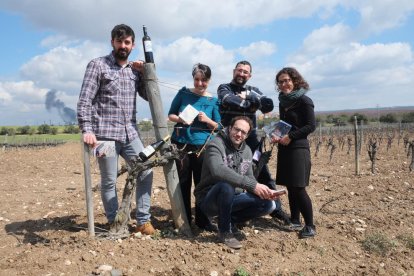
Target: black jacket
302,118
231,105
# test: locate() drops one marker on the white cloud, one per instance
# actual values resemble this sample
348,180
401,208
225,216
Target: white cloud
182,54
326,38
177,18
62,68
333,58
357,75
355,58
23,91
56,41
5,97
175,62
26,103
377,16
164,19
257,50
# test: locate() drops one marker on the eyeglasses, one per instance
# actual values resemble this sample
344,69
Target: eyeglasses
241,71
280,82
237,130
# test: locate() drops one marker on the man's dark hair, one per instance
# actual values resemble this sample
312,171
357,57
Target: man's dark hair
245,62
122,31
244,118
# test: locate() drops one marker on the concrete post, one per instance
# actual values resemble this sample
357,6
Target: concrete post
161,130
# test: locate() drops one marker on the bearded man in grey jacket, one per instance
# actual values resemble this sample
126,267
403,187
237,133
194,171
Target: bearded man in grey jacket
228,188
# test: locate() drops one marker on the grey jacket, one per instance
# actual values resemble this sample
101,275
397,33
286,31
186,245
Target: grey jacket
224,163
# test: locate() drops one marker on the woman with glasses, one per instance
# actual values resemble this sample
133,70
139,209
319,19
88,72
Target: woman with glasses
196,114
293,157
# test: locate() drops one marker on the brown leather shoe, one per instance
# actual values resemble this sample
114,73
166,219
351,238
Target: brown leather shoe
146,228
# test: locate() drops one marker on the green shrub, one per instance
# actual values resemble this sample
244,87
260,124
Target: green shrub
378,243
53,130
240,271
23,130
71,129
407,239
43,129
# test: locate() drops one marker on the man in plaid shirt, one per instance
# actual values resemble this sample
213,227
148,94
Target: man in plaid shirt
107,112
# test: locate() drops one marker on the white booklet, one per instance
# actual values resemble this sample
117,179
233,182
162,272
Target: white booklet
104,148
188,114
278,129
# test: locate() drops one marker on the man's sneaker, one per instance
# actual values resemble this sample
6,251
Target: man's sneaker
307,232
146,228
282,216
228,239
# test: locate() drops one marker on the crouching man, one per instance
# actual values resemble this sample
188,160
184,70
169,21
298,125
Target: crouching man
228,188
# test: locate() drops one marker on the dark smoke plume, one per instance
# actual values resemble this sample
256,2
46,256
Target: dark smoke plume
67,114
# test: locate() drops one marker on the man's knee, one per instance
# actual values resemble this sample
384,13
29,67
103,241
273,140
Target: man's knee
271,206
226,190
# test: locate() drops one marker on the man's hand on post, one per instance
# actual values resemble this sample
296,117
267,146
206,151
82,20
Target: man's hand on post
138,65
89,138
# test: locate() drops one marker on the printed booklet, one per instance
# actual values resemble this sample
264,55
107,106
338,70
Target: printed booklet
188,114
278,129
104,148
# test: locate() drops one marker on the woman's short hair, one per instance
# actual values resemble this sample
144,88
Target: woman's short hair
203,69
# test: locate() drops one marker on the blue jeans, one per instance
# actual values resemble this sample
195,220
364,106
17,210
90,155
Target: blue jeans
230,208
108,167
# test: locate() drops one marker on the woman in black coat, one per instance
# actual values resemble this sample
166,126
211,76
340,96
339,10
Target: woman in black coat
293,157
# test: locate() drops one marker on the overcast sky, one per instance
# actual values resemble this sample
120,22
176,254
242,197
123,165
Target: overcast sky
354,54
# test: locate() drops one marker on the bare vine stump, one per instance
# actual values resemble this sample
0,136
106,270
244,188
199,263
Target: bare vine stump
372,151
411,151
318,145
333,148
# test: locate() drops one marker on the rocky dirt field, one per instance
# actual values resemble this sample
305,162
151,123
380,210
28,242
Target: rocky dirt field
365,223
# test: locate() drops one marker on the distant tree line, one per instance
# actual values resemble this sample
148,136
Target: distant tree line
343,119
346,119
42,129
50,129
330,119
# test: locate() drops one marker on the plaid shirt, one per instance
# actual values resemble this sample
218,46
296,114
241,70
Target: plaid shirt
107,101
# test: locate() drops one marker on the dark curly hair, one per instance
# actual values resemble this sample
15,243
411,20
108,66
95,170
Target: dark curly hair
297,79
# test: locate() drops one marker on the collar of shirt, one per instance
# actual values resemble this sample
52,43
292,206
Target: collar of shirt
113,62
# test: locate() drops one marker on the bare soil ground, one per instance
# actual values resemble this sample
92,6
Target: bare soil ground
44,223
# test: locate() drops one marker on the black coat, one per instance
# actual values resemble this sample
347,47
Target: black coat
293,160
302,118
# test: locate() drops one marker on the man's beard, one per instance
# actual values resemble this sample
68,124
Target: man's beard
240,81
121,54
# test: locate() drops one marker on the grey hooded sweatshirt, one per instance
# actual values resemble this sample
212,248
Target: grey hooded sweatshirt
224,163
